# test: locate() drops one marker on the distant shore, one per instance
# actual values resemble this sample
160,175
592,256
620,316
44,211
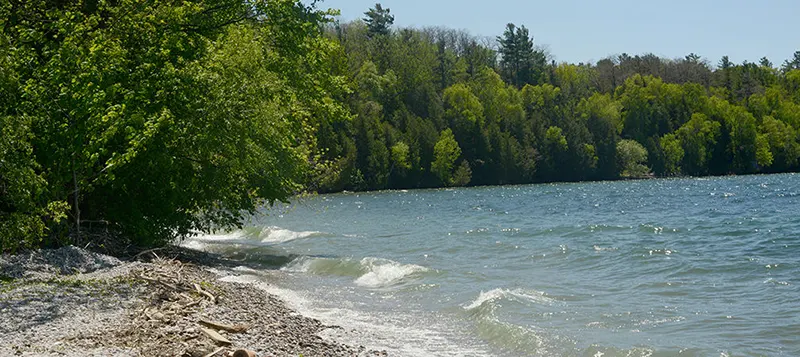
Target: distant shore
163,303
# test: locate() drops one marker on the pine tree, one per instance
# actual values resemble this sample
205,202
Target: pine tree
378,21
520,63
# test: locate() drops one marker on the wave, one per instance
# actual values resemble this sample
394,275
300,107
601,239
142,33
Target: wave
280,235
511,338
405,334
369,272
252,236
519,295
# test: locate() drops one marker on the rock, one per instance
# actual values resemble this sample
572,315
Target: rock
244,353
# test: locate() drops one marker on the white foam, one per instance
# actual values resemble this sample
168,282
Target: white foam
201,241
301,264
598,248
523,295
374,330
280,235
384,272
268,235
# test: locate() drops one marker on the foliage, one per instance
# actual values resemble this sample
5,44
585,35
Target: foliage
520,63
158,119
519,119
632,157
446,152
378,20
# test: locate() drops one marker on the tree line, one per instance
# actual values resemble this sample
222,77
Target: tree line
438,107
154,120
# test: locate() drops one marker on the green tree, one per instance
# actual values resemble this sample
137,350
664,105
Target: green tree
520,63
673,154
632,157
603,120
793,63
378,21
24,211
446,152
555,150
462,175
162,119
697,139
781,141
400,156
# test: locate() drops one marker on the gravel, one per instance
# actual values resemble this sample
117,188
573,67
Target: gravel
71,302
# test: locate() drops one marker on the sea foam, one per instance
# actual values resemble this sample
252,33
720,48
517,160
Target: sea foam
384,272
369,272
253,236
519,295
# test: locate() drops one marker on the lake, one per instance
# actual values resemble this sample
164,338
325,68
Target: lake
665,267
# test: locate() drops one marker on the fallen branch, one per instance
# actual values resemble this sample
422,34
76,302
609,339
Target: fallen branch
166,284
214,335
193,303
206,293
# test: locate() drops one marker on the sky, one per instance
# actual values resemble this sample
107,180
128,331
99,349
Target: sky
589,30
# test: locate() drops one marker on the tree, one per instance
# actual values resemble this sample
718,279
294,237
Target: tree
446,152
464,113
697,139
781,142
632,157
400,156
24,210
555,148
520,64
724,69
673,154
602,116
793,63
462,175
162,119
378,21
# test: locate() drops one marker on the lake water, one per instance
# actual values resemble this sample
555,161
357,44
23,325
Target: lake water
677,267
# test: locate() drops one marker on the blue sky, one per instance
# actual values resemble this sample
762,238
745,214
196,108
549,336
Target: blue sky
589,30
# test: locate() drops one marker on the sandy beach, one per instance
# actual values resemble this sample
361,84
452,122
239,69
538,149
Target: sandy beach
169,302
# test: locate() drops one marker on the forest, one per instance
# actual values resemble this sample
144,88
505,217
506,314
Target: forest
439,107
153,120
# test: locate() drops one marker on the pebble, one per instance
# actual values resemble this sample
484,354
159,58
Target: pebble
47,311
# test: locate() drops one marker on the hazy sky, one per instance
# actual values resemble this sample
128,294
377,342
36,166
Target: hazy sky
587,30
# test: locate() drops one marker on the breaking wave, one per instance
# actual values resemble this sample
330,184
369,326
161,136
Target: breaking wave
369,272
252,236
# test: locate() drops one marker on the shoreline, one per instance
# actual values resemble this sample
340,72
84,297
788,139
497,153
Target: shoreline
73,302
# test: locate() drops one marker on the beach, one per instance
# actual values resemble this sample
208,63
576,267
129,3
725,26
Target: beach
166,302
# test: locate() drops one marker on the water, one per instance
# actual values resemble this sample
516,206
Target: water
681,267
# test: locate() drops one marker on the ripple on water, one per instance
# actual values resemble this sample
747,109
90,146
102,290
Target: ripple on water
633,268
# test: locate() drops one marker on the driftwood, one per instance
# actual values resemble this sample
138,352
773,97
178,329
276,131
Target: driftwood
219,326
214,335
206,293
166,284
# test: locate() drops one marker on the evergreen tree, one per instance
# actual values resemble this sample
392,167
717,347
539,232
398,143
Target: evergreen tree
520,63
378,21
